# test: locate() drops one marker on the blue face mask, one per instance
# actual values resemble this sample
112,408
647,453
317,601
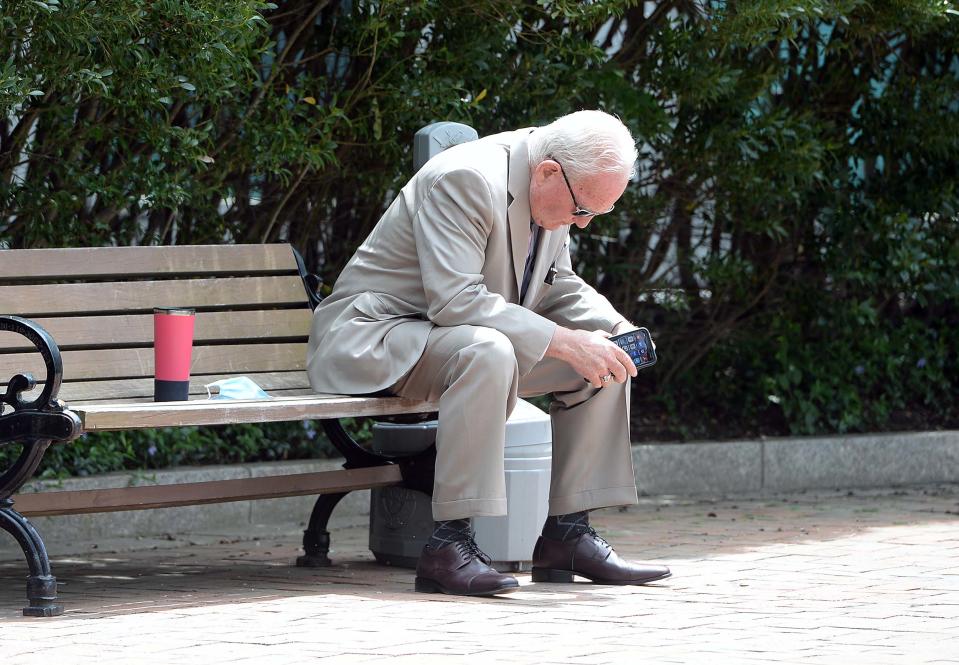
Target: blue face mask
237,387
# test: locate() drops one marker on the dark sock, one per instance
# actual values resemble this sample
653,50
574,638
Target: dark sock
566,527
449,531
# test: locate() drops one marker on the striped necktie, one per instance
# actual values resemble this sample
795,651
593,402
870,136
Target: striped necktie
530,258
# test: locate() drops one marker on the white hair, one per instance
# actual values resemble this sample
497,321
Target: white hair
585,143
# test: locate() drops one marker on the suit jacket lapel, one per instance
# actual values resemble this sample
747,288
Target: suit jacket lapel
518,211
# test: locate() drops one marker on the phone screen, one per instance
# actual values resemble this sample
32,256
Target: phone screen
639,345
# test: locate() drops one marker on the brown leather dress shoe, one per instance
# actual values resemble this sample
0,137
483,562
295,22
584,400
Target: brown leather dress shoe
461,569
592,557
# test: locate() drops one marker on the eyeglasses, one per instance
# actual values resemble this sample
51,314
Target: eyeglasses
580,211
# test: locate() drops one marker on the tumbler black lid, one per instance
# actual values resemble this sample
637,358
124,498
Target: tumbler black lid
174,311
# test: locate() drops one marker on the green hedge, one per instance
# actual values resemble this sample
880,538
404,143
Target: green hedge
187,446
792,240
169,447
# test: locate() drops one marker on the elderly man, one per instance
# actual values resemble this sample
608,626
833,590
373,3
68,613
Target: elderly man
464,293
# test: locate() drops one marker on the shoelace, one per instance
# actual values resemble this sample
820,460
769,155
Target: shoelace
469,549
592,532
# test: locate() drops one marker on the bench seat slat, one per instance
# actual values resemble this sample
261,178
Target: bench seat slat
137,330
125,262
216,491
38,300
104,417
148,399
229,359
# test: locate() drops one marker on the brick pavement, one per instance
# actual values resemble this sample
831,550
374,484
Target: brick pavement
861,578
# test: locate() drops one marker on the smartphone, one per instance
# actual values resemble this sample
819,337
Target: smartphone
639,345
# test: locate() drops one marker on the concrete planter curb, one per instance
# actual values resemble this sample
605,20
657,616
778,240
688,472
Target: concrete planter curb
792,464
683,469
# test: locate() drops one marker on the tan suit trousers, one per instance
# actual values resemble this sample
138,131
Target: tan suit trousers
472,372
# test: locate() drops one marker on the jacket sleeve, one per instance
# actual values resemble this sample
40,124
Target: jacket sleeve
573,303
451,229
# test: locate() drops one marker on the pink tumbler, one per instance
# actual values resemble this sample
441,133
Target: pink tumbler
172,348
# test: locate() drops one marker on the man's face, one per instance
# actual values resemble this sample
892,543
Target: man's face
553,198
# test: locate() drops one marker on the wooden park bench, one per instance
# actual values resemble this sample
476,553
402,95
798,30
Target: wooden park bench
77,356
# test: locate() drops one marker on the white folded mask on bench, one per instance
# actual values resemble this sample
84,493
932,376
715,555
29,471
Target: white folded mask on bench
236,387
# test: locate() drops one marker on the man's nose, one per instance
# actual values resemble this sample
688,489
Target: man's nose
582,222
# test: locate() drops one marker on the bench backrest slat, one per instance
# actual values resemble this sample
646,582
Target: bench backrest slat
106,263
253,314
276,383
43,300
138,363
137,329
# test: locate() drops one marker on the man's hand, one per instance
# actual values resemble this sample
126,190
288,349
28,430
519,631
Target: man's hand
591,354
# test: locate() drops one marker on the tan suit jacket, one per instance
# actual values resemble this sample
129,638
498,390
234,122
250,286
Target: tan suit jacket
449,251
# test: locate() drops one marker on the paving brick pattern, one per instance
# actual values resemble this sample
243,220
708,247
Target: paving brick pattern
837,578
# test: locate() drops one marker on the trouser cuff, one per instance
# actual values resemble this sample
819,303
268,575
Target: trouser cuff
593,499
463,508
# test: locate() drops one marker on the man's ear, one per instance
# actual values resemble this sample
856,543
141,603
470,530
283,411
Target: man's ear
545,170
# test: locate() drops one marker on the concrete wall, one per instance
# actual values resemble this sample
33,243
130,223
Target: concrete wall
792,464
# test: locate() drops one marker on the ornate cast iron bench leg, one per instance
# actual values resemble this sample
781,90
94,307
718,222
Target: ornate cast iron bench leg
35,425
316,538
41,585
417,471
